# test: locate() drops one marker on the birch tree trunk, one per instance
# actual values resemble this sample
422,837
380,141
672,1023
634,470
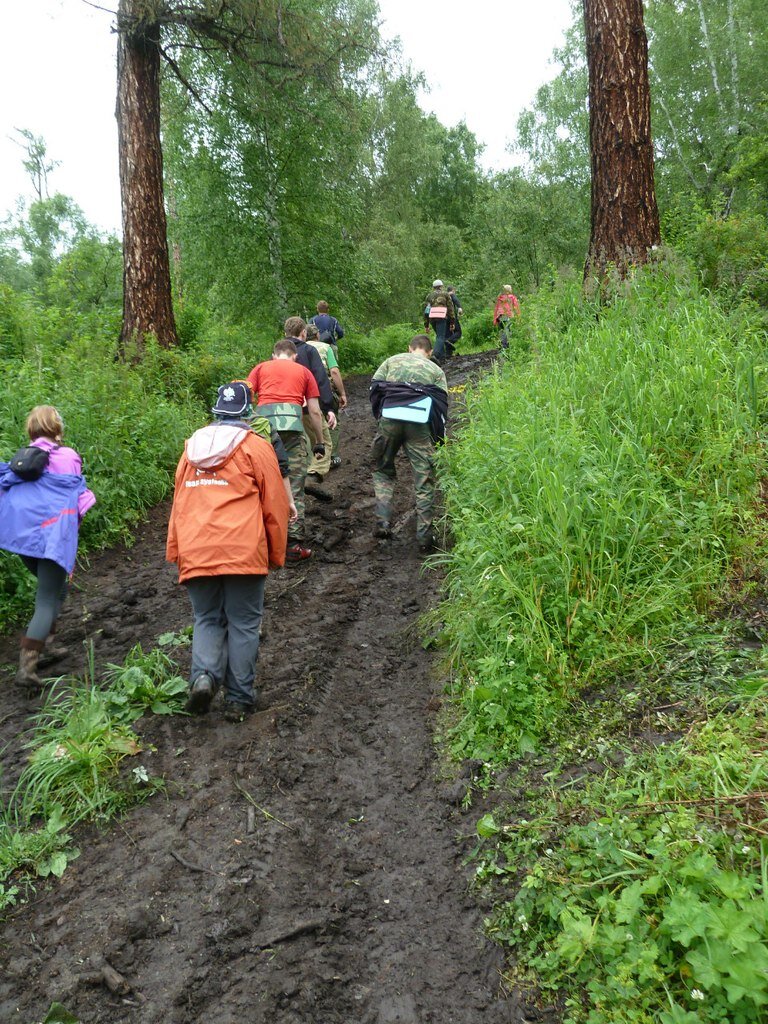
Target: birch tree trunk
147,307
625,218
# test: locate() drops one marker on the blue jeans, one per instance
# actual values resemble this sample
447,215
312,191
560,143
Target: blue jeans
225,638
440,327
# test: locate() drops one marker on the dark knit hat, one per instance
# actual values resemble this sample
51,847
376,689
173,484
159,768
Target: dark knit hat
234,400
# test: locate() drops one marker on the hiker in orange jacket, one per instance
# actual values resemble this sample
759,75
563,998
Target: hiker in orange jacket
228,528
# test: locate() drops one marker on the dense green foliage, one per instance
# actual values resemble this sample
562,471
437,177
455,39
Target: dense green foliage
603,493
596,493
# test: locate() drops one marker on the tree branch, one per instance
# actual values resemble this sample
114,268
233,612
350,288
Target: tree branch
184,80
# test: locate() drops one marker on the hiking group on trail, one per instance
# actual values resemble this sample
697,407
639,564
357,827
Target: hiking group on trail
238,506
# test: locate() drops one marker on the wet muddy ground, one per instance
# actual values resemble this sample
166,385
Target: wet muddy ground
304,866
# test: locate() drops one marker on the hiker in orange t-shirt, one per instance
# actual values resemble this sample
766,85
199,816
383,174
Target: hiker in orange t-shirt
282,387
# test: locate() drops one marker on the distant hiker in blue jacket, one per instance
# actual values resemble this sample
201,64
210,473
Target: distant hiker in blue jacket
40,520
329,329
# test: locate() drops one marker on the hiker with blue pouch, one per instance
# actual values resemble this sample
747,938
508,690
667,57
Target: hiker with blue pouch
43,498
409,398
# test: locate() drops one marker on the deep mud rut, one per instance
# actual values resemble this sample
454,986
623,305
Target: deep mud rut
305,865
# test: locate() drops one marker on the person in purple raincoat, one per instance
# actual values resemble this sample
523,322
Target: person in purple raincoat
40,521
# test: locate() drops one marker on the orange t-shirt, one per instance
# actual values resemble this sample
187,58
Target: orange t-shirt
282,380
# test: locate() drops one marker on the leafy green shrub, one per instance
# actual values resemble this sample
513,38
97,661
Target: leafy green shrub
646,888
366,354
732,255
595,494
478,333
144,682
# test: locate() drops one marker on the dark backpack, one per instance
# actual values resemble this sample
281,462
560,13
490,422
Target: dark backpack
328,336
30,462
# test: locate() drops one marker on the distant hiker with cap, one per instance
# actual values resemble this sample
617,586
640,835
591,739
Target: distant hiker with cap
227,529
282,386
453,335
438,315
506,308
332,459
43,498
409,398
328,327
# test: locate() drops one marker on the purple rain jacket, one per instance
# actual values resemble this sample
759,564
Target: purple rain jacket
41,518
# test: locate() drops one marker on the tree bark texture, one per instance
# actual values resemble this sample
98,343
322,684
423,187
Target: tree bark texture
147,306
625,218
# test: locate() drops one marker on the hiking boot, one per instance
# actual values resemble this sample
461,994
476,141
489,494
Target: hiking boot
318,492
427,543
237,712
52,651
314,478
200,694
28,658
383,530
297,553
335,461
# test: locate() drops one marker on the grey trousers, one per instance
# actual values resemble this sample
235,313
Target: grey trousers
225,638
52,586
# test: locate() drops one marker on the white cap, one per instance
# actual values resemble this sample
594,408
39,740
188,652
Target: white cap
437,284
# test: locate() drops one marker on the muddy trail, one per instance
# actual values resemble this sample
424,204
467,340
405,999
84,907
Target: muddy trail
304,866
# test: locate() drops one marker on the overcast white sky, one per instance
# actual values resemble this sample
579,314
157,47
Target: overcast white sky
57,79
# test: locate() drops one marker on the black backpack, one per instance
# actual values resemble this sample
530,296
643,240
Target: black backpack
328,336
30,462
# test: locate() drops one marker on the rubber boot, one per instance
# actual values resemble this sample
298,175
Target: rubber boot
28,659
52,651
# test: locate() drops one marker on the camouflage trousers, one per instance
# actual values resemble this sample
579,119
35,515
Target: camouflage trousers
295,442
416,440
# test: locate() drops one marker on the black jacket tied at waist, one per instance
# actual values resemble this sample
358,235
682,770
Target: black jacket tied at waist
387,393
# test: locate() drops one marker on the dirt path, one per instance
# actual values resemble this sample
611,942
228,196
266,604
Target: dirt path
304,866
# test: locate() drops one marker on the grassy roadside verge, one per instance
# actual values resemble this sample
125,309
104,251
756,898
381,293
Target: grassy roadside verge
604,496
76,769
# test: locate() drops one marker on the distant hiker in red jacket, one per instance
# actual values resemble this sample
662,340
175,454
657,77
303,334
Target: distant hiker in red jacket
505,309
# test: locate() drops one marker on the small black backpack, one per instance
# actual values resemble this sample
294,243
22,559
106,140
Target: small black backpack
30,462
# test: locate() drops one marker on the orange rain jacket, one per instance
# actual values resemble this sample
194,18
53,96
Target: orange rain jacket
230,510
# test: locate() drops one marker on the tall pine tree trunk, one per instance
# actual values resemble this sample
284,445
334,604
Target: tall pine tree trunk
147,307
625,218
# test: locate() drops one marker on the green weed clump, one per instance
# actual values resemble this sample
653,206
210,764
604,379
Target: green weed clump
596,491
642,895
75,770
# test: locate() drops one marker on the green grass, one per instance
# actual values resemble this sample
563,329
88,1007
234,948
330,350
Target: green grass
75,768
604,497
602,479
641,892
